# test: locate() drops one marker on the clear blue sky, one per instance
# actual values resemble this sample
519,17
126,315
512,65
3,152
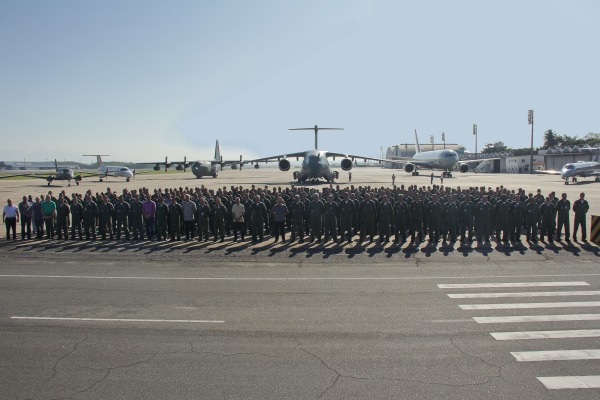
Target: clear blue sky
143,79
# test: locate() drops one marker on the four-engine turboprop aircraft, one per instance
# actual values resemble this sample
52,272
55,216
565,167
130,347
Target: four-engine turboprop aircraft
104,171
446,160
315,163
60,174
200,168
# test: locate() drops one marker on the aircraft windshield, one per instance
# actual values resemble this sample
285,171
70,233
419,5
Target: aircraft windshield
569,166
124,169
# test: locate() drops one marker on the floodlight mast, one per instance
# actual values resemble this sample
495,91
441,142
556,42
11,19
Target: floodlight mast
316,129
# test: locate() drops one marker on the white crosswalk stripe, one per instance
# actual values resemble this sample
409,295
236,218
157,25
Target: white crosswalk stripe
523,294
557,355
571,382
566,334
509,284
511,306
561,355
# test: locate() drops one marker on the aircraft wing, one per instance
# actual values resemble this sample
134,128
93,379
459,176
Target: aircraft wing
354,156
546,172
271,158
478,160
14,175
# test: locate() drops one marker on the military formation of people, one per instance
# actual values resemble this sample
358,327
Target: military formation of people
321,215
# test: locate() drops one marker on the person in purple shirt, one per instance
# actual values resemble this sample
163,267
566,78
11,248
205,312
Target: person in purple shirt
149,211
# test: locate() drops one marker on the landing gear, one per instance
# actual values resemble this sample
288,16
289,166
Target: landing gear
447,174
127,179
415,173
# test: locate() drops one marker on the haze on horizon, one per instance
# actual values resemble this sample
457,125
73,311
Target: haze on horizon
140,80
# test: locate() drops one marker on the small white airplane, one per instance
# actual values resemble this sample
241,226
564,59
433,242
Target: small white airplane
571,171
104,171
446,160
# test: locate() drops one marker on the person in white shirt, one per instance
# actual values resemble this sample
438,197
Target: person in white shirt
10,216
237,211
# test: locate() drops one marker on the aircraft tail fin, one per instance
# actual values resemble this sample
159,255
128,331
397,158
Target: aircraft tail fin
98,158
217,152
417,148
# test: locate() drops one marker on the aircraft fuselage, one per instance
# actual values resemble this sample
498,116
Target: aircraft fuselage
315,166
437,159
202,168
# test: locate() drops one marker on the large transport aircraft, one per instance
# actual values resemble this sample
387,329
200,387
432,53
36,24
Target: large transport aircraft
60,174
200,168
315,164
446,160
104,171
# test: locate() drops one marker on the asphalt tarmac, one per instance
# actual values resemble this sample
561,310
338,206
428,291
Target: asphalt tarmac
139,320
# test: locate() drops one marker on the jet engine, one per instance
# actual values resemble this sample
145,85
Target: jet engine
408,167
256,166
463,168
284,165
346,164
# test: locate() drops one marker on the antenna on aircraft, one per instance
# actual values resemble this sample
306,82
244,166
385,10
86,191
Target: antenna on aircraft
316,129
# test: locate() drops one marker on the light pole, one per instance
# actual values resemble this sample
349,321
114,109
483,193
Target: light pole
475,133
431,139
530,119
444,139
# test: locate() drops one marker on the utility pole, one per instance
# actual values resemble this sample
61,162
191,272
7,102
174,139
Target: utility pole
530,118
444,139
475,133
432,139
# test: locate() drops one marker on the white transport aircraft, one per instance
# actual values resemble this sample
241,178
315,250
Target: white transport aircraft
104,171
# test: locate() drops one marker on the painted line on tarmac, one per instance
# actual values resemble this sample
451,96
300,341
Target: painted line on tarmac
193,321
570,382
508,284
512,306
523,294
556,355
391,278
533,335
537,318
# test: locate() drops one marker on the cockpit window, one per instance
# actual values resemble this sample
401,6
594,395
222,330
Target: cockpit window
569,166
124,169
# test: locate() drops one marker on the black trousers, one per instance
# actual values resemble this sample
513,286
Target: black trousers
11,223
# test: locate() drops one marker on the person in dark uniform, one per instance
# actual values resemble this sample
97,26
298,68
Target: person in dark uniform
203,212
258,213
385,213
467,208
563,207
162,219
217,213
105,211
368,214
548,218
136,214
483,219
297,218
532,217
26,214
502,215
76,218
90,214
451,213
580,207
330,214
315,211
346,207
122,217
435,219
279,213
175,215
401,219
517,212
62,219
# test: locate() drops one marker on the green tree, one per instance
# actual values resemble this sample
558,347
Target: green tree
550,139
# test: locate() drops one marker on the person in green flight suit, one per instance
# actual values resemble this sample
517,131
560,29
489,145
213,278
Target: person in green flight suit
122,217
258,215
162,219
90,214
137,217
175,215
330,214
315,212
386,217
76,218
218,212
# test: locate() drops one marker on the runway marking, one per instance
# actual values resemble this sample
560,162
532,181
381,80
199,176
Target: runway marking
570,382
509,284
565,334
509,306
537,318
556,355
194,321
523,294
404,278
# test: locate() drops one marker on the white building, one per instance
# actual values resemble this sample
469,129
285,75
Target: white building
520,164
